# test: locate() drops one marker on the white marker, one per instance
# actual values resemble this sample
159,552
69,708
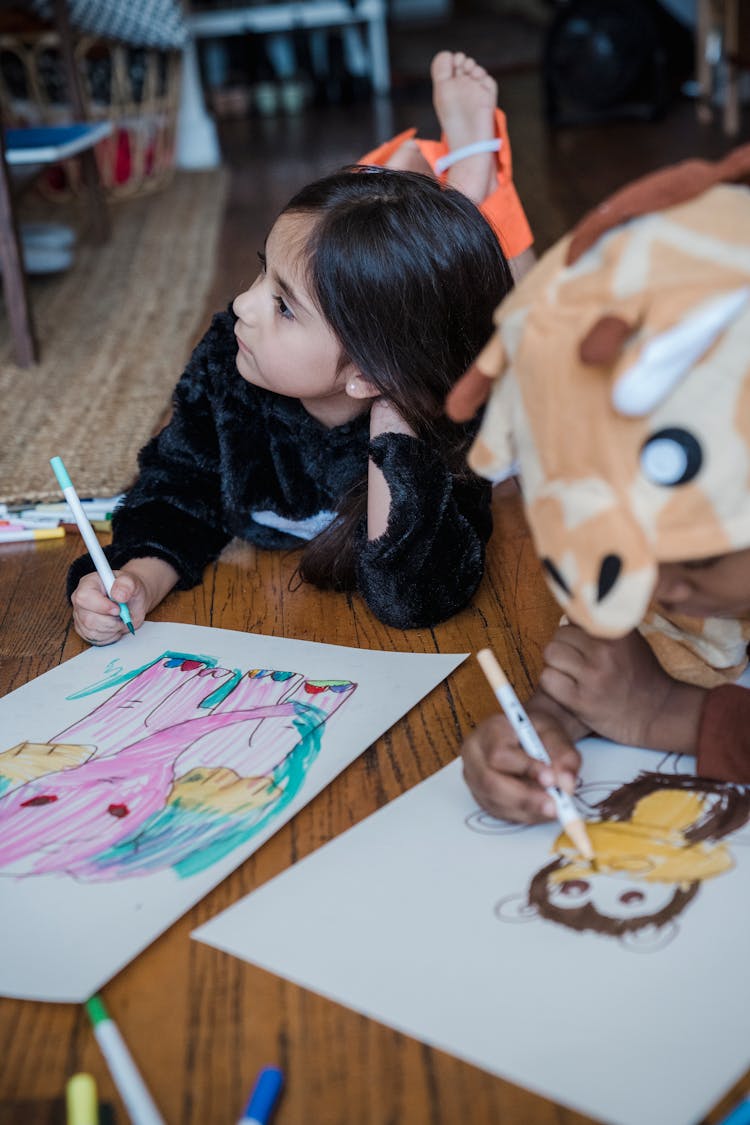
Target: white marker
567,813
99,559
131,1087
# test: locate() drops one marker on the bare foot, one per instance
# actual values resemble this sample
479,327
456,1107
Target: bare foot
465,98
408,158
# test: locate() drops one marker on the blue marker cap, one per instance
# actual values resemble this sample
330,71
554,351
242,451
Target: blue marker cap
263,1098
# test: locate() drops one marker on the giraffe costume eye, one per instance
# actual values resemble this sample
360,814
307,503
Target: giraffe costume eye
671,457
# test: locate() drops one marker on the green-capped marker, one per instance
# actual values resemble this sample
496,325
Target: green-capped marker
133,1090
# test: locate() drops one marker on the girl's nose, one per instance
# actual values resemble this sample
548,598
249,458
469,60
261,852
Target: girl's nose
242,304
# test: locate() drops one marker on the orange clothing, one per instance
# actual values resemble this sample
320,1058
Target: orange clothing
502,209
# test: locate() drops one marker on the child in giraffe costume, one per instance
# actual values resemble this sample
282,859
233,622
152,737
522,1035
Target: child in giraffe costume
618,381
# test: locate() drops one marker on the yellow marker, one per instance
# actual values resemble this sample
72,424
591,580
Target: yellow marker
80,1100
29,535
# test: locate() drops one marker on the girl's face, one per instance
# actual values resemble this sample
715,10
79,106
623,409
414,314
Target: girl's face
285,344
715,587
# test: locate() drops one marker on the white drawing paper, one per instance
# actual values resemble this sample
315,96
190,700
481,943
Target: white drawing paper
623,993
134,778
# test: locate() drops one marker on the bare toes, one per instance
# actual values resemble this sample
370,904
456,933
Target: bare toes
441,67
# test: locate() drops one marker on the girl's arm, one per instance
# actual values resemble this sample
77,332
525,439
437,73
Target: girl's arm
421,556
384,418
174,511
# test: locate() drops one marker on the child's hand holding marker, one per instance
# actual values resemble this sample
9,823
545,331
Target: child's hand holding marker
106,606
501,773
508,783
141,584
96,614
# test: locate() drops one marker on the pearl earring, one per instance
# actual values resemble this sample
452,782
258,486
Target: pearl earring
352,388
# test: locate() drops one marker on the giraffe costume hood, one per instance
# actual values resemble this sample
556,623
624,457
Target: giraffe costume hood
617,384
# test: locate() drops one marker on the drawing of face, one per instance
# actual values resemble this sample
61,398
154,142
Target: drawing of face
658,838
612,895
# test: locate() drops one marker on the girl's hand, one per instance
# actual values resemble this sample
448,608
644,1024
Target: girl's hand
505,780
96,617
619,689
142,583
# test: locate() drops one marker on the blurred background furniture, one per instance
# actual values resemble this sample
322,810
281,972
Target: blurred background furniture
722,48
303,15
110,70
29,148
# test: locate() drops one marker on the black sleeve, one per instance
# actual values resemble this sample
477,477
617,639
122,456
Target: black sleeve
430,560
174,510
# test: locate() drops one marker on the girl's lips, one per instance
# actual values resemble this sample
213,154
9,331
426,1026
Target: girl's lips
243,347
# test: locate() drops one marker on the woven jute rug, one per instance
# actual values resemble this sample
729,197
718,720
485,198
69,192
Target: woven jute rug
114,333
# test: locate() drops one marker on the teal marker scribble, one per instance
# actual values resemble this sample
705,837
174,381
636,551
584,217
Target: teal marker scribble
124,677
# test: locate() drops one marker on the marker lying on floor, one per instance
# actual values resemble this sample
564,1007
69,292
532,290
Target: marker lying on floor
263,1097
99,559
567,813
24,535
81,1101
131,1087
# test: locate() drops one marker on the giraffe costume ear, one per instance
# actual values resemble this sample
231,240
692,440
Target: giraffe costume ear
492,454
473,389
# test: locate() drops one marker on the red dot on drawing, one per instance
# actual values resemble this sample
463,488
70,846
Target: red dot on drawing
188,665
118,810
314,689
42,799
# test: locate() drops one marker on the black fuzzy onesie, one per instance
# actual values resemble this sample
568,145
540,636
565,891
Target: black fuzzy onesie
238,460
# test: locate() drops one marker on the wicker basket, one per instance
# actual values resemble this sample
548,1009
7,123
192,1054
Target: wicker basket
135,88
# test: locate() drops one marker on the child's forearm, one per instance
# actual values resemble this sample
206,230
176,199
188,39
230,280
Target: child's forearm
675,724
157,576
384,418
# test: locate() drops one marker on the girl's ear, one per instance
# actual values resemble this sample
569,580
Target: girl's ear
359,387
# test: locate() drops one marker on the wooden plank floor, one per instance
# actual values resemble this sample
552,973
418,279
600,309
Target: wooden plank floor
200,1023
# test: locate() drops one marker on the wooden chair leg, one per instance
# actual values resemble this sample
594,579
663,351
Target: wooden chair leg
92,181
704,109
14,275
731,47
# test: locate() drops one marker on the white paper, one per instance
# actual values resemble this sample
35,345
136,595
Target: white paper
144,804
419,917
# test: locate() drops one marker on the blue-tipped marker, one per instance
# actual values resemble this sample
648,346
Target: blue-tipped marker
740,1115
263,1098
99,559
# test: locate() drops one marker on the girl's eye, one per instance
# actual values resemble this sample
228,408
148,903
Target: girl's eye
283,308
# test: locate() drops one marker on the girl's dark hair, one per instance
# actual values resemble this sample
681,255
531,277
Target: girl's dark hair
407,274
